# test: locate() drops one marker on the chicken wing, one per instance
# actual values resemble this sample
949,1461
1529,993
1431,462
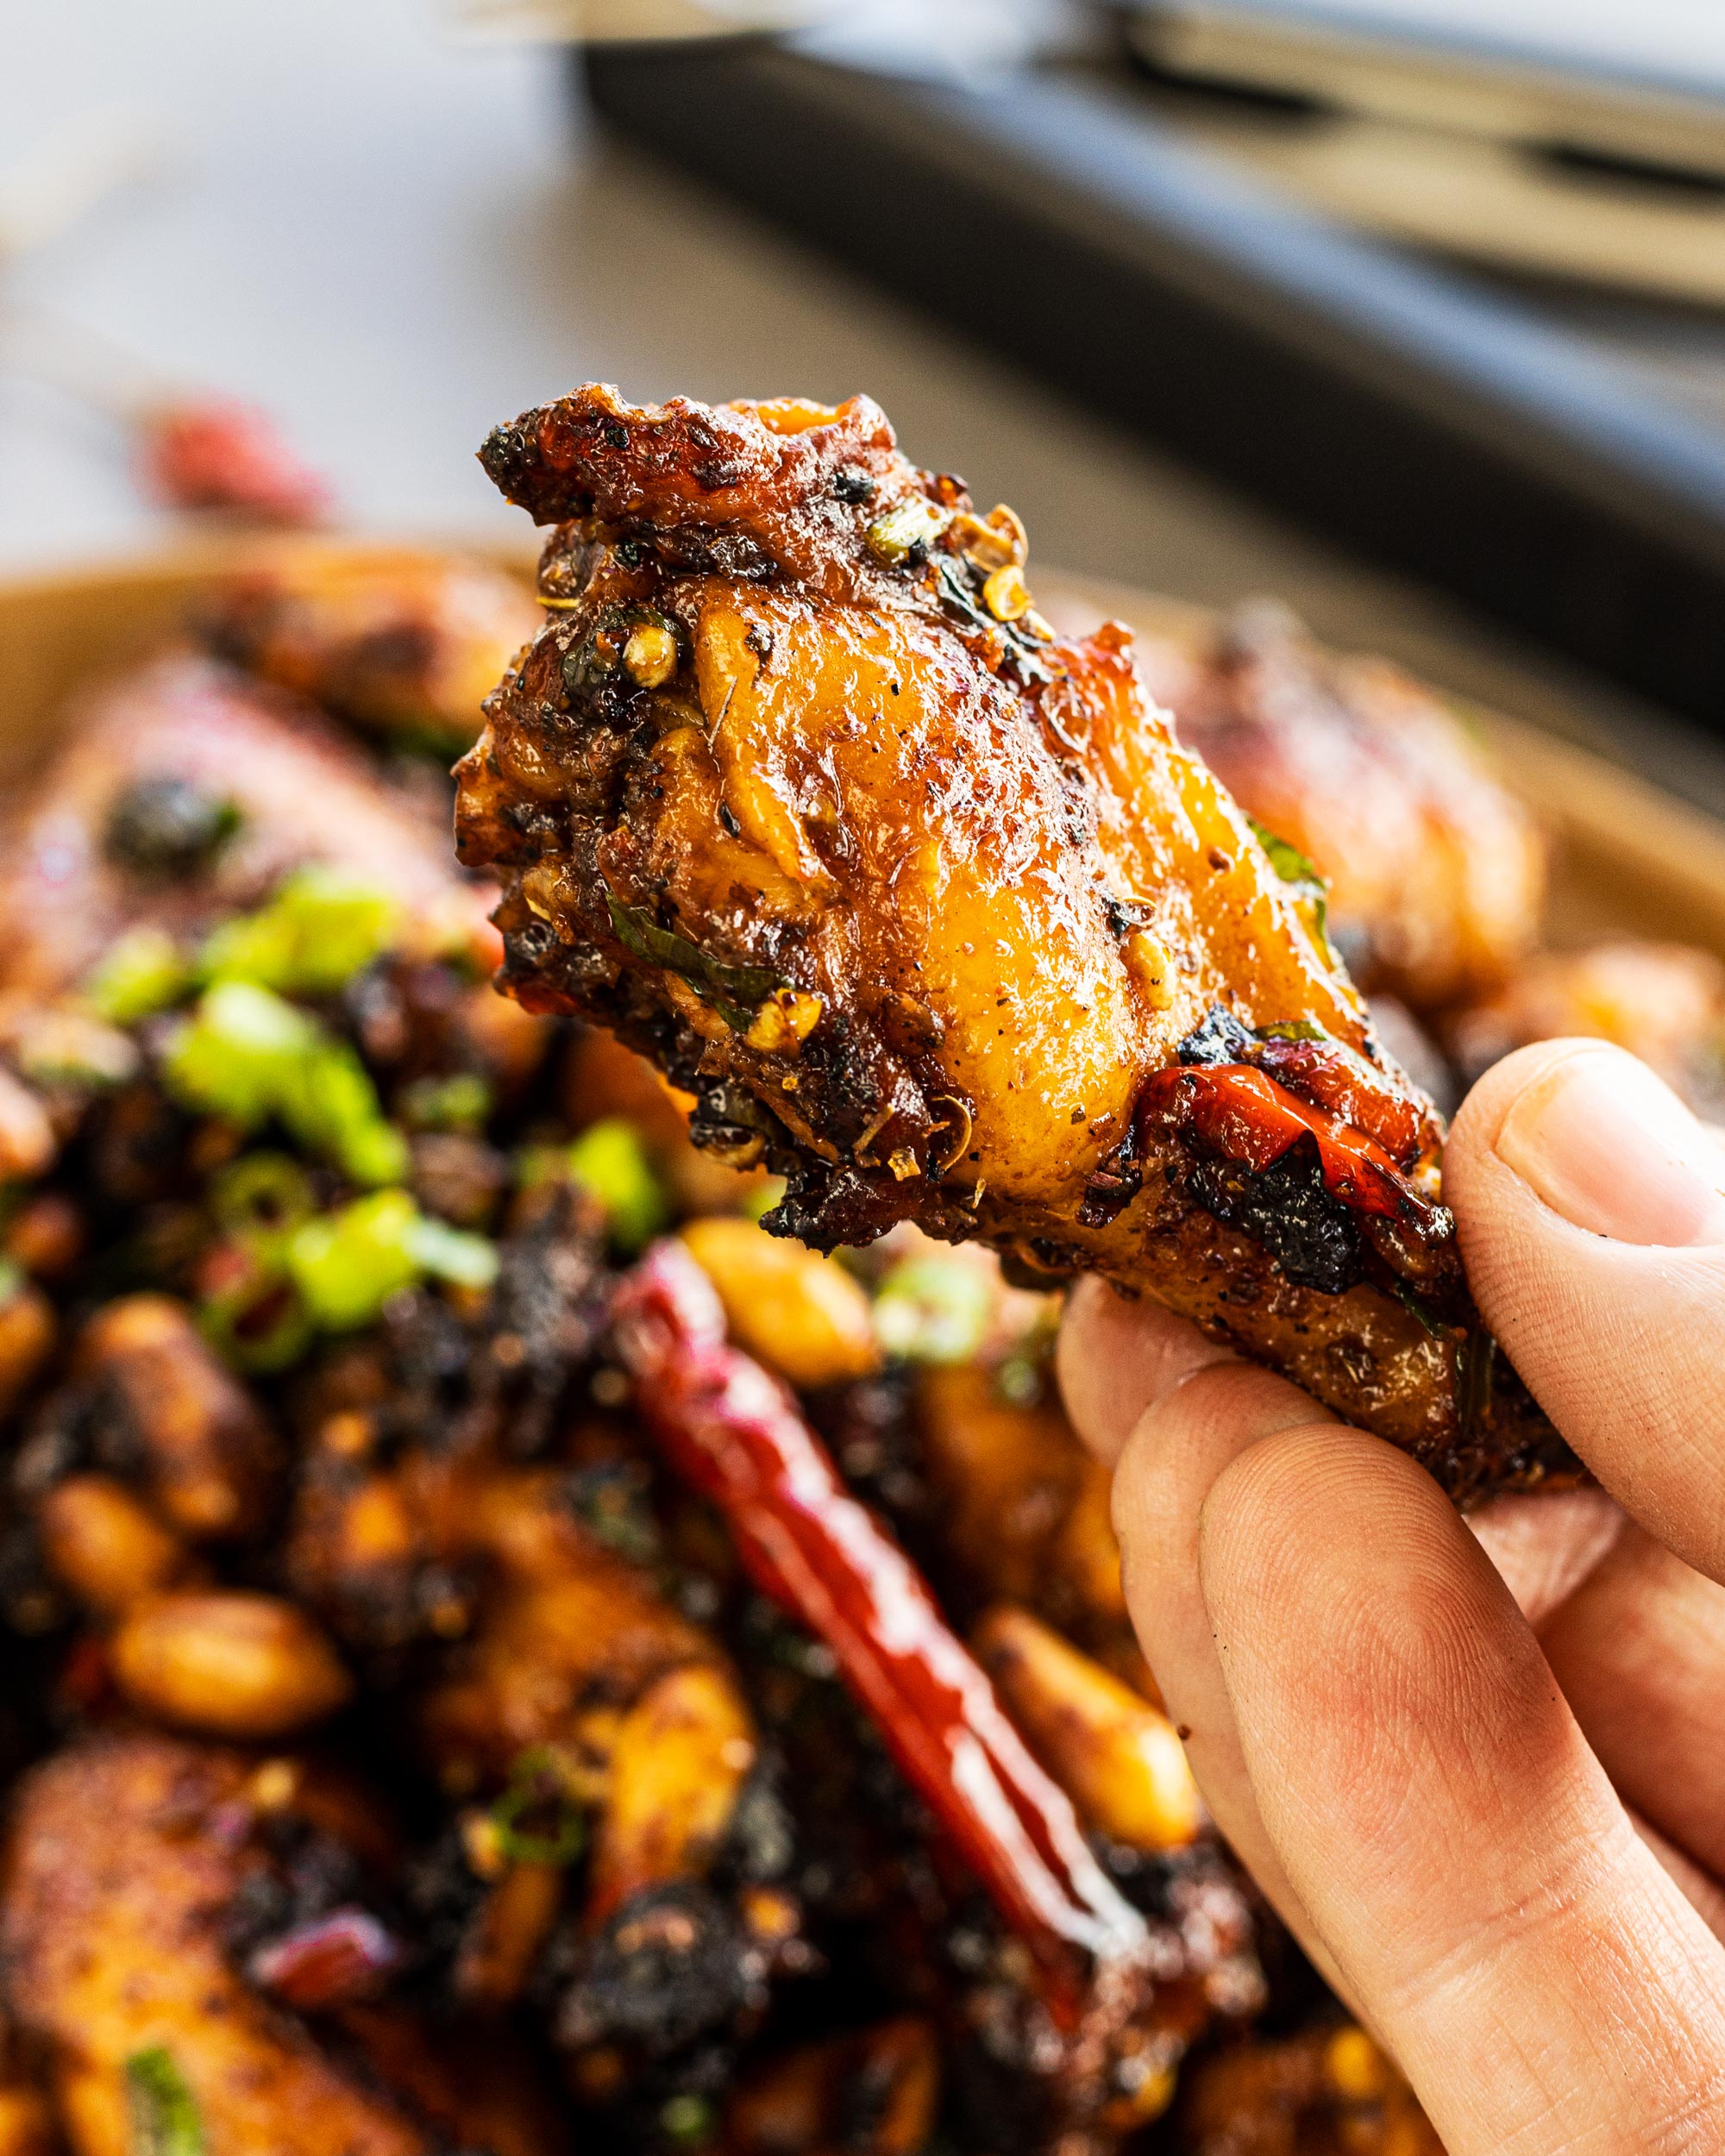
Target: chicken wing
182,794
928,908
137,1872
1436,873
1664,1002
404,643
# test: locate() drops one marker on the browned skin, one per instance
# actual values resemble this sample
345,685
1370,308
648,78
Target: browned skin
303,795
404,643
1664,1002
998,892
1436,873
124,1858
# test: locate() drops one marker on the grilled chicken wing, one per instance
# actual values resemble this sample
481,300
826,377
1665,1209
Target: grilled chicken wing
929,909
137,1873
404,643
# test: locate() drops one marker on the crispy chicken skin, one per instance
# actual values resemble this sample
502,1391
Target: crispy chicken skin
126,1869
1436,873
404,643
929,908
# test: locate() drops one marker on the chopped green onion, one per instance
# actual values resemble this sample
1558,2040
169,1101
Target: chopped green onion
527,1792
330,1105
165,2117
347,1264
459,1102
261,1194
258,1325
462,1258
762,1198
934,1309
609,1161
231,1056
322,927
688,2117
245,1055
140,973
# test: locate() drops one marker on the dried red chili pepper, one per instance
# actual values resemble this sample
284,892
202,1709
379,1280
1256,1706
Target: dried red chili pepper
215,454
737,1434
1333,1077
1245,1115
332,1961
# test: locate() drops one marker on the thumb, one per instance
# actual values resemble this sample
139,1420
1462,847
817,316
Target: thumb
1591,1209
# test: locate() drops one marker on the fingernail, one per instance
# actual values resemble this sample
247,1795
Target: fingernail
1612,1150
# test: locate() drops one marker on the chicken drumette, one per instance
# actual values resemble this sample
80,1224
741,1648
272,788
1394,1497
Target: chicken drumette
928,907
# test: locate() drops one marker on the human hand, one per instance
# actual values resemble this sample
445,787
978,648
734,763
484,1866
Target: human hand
1478,1766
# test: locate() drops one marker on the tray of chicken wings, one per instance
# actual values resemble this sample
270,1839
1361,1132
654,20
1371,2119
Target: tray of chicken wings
550,1598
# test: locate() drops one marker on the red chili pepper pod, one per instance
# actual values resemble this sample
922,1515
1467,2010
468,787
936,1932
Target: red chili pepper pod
738,1435
1242,1114
215,453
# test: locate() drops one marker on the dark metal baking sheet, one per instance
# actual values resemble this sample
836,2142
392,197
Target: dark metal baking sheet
1429,423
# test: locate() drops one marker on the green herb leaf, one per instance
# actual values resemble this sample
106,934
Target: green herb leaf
1417,1306
609,1162
735,991
1475,1373
1301,875
164,2118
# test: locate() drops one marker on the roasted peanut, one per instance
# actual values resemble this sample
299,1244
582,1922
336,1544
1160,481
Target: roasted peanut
27,1138
45,1237
230,1663
801,1313
1119,1759
211,1456
808,2097
106,1544
678,1765
26,1334
497,1957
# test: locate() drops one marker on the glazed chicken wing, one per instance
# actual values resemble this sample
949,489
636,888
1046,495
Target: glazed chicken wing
927,907
402,643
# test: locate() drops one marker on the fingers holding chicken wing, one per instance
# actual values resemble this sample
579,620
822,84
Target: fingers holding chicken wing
929,908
